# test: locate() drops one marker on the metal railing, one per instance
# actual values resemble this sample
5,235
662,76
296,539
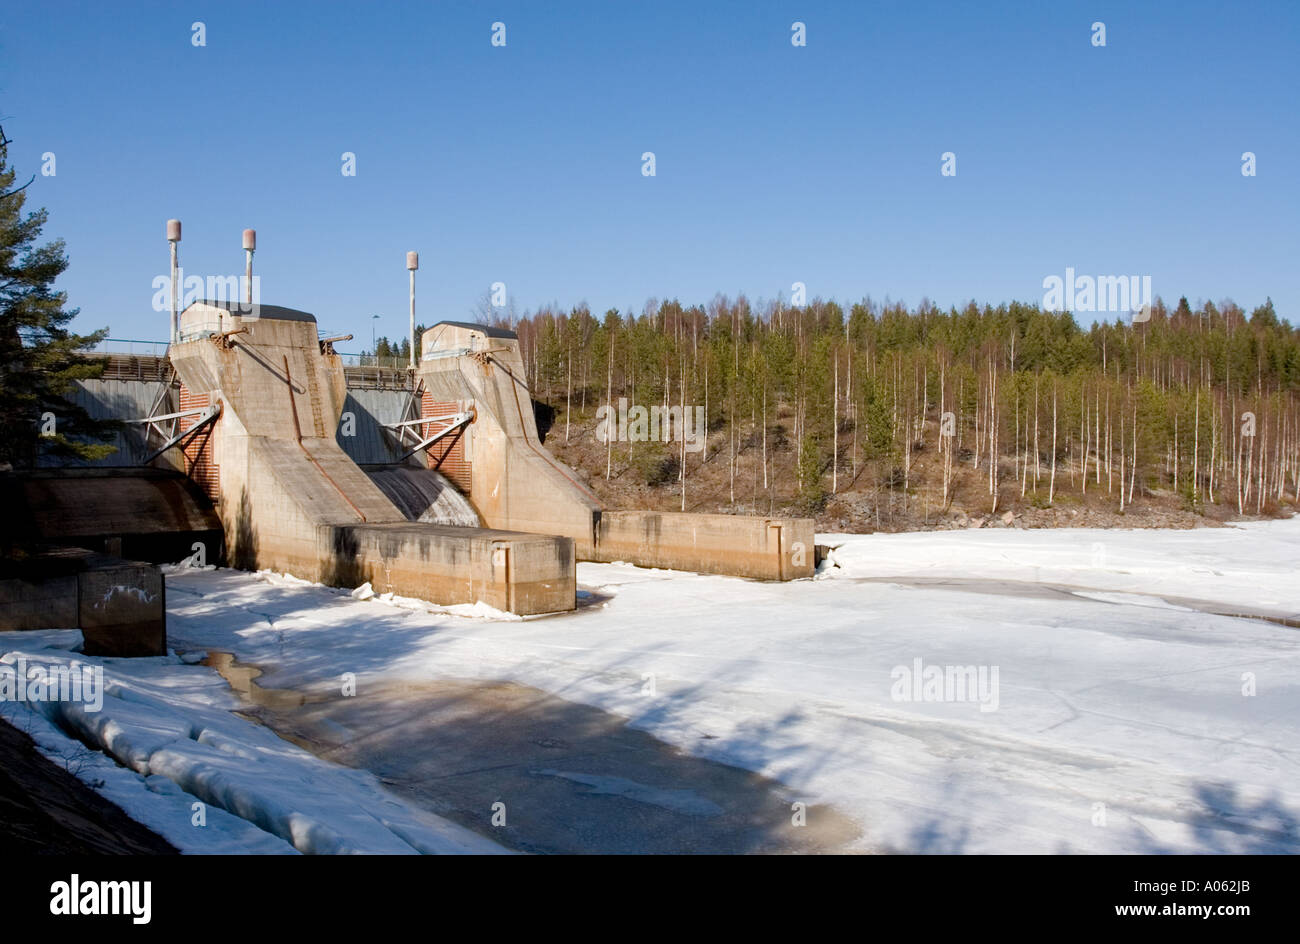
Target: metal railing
374,360
378,378
147,360
159,349
136,367
135,348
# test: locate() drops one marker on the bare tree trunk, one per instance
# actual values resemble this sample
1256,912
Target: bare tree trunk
1282,454
1084,431
681,434
1214,448
1250,466
1241,499
907,455
835,431
1121,460
1051,488
1173,451
1037,461
1020,462
1196,451
731,434
993,435
1110,447
853,412
1096,433
609,403
1263,467
1132,479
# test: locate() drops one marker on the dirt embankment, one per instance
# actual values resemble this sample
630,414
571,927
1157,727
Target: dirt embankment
44,810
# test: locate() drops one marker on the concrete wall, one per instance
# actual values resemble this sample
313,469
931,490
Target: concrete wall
120,606
519,573
39,601
122,610
764,548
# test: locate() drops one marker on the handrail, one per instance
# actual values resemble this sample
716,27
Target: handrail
129,346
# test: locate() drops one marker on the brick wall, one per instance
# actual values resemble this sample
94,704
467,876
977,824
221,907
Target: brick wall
447,455
198,451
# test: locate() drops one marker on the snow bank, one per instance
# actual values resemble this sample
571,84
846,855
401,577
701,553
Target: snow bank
169,723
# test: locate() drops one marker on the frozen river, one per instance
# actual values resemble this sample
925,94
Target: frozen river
978,691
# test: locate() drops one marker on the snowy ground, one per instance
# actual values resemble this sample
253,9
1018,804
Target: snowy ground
1121,720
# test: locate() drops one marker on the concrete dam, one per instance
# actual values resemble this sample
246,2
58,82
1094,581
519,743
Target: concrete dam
291,499
251,439
516,483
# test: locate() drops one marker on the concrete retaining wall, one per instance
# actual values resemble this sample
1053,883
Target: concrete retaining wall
120,606
519,573
764,548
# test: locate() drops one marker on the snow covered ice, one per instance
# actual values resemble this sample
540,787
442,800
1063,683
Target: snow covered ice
1131,714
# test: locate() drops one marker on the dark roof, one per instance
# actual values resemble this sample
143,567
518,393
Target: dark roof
483,329
272,312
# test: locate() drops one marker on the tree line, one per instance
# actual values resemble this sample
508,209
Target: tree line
1198,402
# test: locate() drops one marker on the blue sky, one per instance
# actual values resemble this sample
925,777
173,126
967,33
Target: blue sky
774,164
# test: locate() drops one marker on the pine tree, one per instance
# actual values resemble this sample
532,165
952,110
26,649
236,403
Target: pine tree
39,357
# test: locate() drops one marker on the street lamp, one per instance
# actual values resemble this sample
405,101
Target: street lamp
373,352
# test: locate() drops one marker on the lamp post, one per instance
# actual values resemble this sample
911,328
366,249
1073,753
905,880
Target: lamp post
412,263
250,246
173,237
373,346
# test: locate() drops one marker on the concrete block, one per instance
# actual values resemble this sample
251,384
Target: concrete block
119,606
122,610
